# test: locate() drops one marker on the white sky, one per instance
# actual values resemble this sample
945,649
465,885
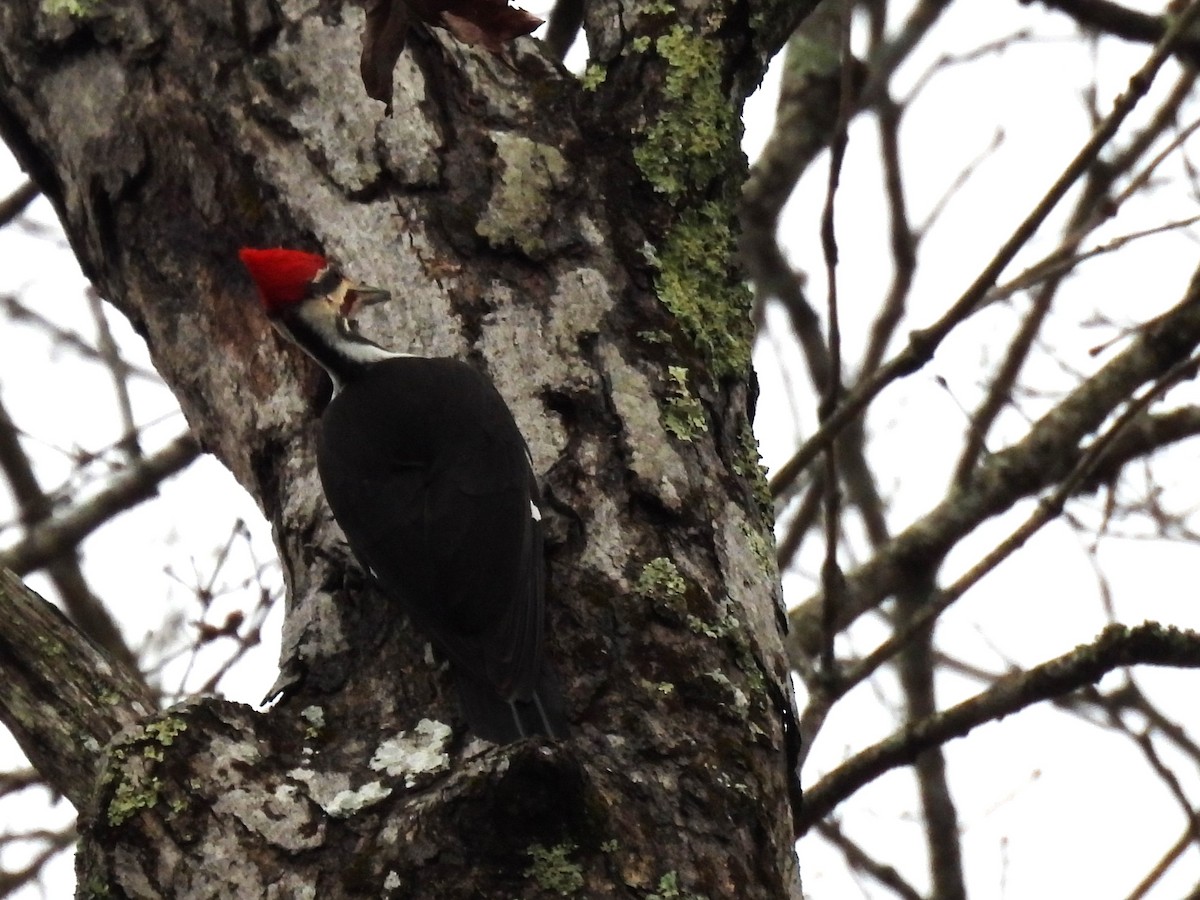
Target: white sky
1050,806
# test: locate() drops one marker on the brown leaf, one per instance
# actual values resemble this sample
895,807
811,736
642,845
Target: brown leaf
383,42
491,23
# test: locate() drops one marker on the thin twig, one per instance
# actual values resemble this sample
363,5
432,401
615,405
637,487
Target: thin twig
128,488
831,573
1159,869
17,202
1048,509
902,239
1116,647
798,526
19,312
1047,453
1062,261
862,861
36,508
922,344
1093,207
110,353
57,842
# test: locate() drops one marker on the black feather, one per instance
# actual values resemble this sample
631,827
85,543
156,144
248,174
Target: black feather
428,475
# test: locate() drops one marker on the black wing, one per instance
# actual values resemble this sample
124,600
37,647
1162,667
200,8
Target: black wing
428,476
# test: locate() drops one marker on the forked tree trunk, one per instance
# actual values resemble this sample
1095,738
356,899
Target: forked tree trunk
575,241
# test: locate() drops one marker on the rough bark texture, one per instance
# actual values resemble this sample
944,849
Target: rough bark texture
578,246
62,697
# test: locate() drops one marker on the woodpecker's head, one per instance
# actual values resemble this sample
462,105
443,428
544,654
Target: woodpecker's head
312,304
294,283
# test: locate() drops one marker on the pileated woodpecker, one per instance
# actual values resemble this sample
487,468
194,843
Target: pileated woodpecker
430,479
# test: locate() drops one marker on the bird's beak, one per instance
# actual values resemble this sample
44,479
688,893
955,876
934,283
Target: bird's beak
364,295
360,296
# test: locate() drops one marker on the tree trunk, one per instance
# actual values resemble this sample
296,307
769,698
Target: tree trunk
575,240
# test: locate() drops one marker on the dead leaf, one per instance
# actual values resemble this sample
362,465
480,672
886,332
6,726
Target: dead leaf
491,23
383,42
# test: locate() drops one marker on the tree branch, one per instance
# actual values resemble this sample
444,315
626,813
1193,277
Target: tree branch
137,483
923,343
62,698
110,353
1116,646
1094,206
1129,24
36,508
566,18
17,202
816,74
860,860
1047,453
19,312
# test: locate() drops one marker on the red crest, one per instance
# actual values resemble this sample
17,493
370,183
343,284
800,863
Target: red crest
283,276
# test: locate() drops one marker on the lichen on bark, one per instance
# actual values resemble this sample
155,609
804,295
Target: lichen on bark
520,204
691,145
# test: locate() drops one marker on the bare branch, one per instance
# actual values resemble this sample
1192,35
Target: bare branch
815,86
1144,435
1062,261
19,312
923,343
805,122
959,182
19,780
63,699
887,57
1160,868
56,842
831,573
903,241
17,202
915,666
860,860
1048,509
118,370
1095,205
1049,452
800,523
1117,646
63,568
128,488
1119,21
566,18
1131,698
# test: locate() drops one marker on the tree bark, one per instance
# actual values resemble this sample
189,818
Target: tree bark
575,241
63,696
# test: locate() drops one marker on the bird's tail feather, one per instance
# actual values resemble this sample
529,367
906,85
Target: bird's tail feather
502,721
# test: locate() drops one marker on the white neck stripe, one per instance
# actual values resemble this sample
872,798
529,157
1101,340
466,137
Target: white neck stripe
335,348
